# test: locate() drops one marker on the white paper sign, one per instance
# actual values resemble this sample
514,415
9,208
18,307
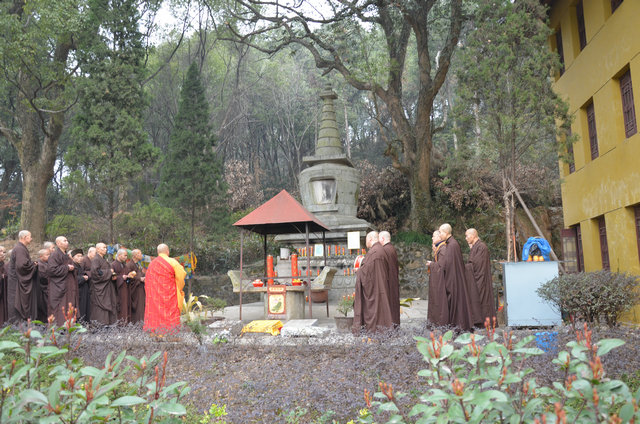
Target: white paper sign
353,240
318,250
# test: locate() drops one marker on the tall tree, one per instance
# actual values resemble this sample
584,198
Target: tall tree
37,39
110,145
191,178
338,33
506,94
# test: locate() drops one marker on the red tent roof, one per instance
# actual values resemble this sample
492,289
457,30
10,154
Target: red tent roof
281,214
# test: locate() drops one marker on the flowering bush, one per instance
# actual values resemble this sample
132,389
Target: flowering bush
482,380
345,305
43,382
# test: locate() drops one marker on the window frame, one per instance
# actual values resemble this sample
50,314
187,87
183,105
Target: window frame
560,49
582,32
604,245
628,107
592,131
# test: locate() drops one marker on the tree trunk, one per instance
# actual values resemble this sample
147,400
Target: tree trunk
419,187
34,199
507,216
37,153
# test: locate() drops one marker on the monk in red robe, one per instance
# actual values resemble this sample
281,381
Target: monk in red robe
63,286
122,288
164,285
437,306
371,308
22,278
3,286
136,285
393,278
480,266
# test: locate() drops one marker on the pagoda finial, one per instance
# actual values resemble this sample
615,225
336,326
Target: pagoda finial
329,142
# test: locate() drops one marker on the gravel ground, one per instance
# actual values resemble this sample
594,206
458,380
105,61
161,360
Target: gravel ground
263,378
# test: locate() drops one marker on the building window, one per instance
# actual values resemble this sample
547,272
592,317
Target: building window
582,33
560,50
572,162
636,211
628,109
579,248
604,247
572,249
615,4
593,135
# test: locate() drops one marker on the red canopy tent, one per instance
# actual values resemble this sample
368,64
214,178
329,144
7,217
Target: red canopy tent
282,214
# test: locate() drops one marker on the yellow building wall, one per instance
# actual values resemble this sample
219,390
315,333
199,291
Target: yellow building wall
610,184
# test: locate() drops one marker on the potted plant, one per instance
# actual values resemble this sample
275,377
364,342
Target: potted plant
345,305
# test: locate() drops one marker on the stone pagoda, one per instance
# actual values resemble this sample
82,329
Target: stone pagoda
329,188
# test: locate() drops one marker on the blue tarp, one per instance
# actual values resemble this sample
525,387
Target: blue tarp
542,245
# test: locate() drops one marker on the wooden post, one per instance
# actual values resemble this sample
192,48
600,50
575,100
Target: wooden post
535,224
241,237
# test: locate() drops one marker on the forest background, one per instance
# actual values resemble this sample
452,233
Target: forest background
140,122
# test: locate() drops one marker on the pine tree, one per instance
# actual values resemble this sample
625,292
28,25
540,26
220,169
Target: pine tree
110,144
192,178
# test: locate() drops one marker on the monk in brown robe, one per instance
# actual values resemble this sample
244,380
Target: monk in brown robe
438,305
136,285
4,270
457,282
371,308
43,284
77,256
122,288
102,289
393,278
22,276
480,267
63,286
84,281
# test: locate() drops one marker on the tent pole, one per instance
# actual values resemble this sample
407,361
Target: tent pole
241,246
264,247
324,248
306,230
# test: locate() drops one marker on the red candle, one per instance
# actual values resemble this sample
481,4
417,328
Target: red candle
294,265
270,269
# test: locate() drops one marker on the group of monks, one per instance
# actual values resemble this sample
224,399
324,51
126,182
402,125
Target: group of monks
100,292
460,295
376,305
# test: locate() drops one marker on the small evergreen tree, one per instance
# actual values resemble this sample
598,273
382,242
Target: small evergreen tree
110,145
512,113
192,178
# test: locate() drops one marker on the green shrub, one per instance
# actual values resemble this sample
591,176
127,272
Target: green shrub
481,380
43,382
414,237
592,296
148,225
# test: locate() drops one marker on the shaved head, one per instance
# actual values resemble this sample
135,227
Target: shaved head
471,235
372,238
163,248
384,237
446,230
